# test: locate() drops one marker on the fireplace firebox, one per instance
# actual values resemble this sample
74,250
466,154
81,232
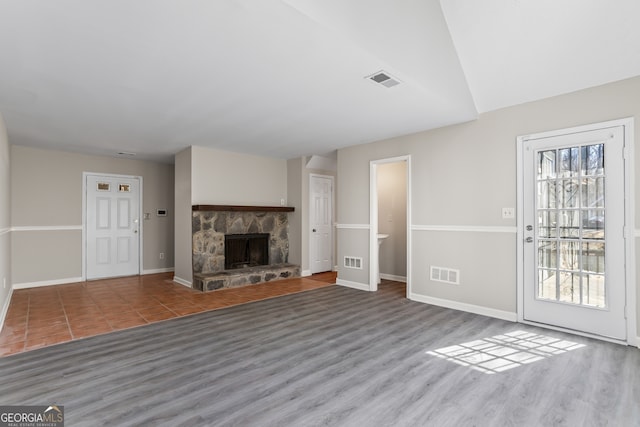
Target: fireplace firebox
246,250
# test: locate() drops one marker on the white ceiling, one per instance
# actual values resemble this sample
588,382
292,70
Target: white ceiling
286,78
515,51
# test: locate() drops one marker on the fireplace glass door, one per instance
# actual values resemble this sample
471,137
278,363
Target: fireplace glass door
246,250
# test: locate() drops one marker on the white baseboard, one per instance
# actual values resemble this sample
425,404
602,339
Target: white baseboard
354,285
5,308
78,279
158,270
305,273
183,282
393,277
47,283
476,309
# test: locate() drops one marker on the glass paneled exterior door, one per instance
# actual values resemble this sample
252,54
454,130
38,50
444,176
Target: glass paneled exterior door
574,241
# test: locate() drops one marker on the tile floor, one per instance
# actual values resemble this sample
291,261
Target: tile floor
50,315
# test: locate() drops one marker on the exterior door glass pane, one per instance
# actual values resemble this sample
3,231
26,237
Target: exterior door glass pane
569,194
593,192
569,224
570,231
593,224
547,194
547,223
569,162
547,164
592,160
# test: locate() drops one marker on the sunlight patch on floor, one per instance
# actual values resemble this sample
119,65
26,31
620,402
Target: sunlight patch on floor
502,352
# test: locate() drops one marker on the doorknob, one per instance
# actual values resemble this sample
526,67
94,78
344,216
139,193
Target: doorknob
529,239
135,231
314,230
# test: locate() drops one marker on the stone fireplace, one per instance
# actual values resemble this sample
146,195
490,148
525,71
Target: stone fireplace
239,245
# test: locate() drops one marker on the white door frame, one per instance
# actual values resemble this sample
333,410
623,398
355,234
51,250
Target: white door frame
629,229
84,218
373,220
333,210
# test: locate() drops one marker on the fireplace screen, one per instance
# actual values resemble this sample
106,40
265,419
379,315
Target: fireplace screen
246,250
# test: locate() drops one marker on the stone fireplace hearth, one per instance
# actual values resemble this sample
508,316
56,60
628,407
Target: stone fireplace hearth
210,225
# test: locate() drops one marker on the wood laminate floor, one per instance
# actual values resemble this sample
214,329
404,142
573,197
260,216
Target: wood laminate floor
333,356
49,315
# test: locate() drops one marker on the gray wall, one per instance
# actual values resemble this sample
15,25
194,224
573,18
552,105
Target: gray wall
294,194
463,175
184,269
206,176
225,178
392,218
5,222
46,191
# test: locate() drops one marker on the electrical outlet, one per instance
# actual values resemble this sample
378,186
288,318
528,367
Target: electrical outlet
282,202
161,255
508,213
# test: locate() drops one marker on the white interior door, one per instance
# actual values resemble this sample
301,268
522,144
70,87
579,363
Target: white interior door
574,217
320,221
112,226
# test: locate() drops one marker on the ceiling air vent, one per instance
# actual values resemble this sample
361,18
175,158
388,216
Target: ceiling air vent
384,78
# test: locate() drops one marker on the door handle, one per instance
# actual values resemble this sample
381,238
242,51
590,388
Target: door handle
314,230
529,240
135,231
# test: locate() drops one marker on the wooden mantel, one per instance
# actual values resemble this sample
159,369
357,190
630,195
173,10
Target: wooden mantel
228,208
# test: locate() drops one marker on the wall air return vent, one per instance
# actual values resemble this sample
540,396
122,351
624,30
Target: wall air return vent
384,78
446,275
353,262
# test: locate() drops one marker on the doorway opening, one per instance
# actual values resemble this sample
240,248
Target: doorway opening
390,221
